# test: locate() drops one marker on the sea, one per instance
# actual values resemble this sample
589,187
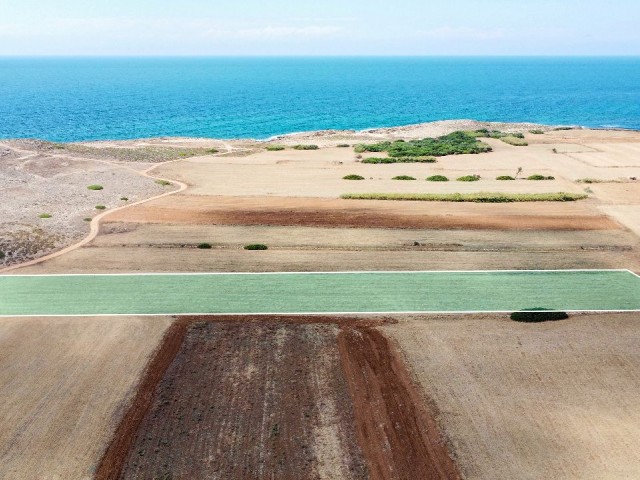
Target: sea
79,99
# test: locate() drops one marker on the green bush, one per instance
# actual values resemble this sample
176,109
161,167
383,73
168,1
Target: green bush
537,315
205,246
95,187
124,199
100,207
353,177
87,219
437,178
469,178
559,129
306,147
343,145
505,177
482,197
256,246
455,143
539,177
377,160
164,183
212,150
45,215
274,148
2,255
403,177
537,132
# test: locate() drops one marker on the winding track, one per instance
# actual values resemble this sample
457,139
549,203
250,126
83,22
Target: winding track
94,226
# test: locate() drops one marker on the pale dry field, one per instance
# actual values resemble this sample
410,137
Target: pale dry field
529,401
64,383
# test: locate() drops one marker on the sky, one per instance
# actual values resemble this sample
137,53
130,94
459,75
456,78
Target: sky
321,27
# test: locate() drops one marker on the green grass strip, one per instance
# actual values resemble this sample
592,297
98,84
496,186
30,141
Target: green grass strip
167,294
482,197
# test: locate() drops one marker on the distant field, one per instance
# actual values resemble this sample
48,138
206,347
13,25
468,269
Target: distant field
363,292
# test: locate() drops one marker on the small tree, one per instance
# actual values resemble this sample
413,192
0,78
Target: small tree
518,172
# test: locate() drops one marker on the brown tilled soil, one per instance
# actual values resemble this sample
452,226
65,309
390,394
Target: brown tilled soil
287,398
353,215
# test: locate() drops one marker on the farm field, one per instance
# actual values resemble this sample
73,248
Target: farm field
268,398
64,383
554,400
360,292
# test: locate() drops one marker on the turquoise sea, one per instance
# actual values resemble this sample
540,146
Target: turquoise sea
73,99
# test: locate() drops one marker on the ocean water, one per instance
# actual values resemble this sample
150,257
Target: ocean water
74,99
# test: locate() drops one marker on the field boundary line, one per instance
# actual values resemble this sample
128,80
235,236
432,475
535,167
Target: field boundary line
353,272
302,314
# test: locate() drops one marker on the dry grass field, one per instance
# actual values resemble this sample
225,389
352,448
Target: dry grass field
64,384
555,400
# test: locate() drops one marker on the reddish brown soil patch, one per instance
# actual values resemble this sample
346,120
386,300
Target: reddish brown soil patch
279,397
400,438
355,214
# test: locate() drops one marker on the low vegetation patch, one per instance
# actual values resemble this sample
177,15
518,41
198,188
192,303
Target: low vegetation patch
377,160
101,207
559,129
343,145
205,246
45,215
95,187
536,132
469,178
597,180
456,143
274,148
482,197
256,246
505,177
540,177
537,315
306,147
514,141
403,177
353,177
212,150
437,178
164,183
87,219
124,199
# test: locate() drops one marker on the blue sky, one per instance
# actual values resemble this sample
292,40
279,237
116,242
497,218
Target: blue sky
321,27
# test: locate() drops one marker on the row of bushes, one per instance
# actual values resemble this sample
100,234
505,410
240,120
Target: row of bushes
378,160
442,178
278,148
253,246
455,143
481,197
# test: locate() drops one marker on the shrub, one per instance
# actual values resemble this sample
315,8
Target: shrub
87,219
455,143
539,177
2,255
555,150
164,183
95,187
536,315
256,246
45,215
437,178
205,246
403,177
537,132
558,129
353,177
124,199
469,178
343,145
515,141
100,207
274,148
306,147
482,197
505,177
377,160
213,150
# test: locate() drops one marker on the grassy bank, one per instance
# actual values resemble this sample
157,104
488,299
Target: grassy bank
482,197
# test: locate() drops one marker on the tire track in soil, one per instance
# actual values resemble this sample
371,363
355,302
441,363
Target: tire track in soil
251,384
399,436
